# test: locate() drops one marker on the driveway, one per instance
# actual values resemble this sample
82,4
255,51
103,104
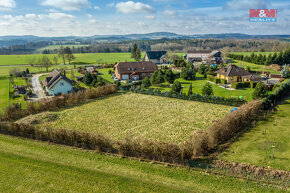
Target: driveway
37,88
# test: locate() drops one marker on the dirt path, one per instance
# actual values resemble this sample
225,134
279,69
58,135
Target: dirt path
37,88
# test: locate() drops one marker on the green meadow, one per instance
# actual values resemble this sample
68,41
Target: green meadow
256,146
32,166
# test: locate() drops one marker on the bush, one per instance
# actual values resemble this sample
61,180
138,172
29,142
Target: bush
207,90
176,87
217,80
260,91
224,81
224,129
237,85
253,84
15,112
210,78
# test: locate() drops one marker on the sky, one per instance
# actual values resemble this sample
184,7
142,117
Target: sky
110,17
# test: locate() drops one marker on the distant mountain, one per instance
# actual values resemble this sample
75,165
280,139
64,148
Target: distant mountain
21,40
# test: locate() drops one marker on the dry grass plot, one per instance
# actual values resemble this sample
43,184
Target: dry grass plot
135,116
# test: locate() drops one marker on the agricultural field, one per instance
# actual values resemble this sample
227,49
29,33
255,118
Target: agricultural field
90,58
255,147
32,166
198,84
135,116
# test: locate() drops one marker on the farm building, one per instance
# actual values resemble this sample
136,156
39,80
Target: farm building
56,83
134,70
232,73
157,57
205,56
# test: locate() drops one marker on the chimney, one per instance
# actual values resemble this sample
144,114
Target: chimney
64,73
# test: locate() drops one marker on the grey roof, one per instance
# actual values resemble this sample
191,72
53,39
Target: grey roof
53,78
233,70
155,55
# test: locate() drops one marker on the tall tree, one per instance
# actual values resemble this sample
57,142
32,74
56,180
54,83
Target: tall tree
190,90
69,55
61,53
135,52
46,62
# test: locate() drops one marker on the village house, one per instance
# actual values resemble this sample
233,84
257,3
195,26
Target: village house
157,57
252,77
233,73
134,70
56,83
204,56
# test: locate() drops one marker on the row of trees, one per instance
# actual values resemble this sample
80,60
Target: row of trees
281,58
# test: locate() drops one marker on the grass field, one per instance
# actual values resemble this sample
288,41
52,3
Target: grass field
31,166
136,116
198,84
255,67
91,58
249,53
255,147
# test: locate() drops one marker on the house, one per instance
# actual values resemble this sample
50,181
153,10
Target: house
205,56
134,70
157,57
232,73
56,83
93,71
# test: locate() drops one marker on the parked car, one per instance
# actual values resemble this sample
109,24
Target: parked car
116,79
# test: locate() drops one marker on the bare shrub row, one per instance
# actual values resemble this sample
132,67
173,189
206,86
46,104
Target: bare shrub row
15,112
202,142
256,171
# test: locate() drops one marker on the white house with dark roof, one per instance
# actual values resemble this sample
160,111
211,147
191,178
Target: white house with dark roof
157,57
56,83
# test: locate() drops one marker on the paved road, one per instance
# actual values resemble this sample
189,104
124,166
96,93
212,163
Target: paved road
37,88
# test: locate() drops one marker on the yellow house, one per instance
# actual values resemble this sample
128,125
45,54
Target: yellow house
232,73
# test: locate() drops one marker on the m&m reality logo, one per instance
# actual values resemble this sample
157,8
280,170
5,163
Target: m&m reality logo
263,15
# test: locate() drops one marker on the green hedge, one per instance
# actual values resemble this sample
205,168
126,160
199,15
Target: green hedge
277,95
224,81
231,101
237,85
210,78
217,80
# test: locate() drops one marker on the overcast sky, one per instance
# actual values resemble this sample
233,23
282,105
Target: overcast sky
106,17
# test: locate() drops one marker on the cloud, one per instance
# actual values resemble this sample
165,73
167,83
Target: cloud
246,4
150,17
171,13
97,7
60,16
132,7
7,4
67,5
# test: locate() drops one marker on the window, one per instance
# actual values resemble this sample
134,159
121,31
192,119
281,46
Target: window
144,68
129,69
61,84
143,74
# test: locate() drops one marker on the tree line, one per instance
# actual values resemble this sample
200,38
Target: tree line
281,58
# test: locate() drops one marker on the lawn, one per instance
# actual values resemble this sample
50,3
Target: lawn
136,116
255,67
255,147
31,166
198,84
